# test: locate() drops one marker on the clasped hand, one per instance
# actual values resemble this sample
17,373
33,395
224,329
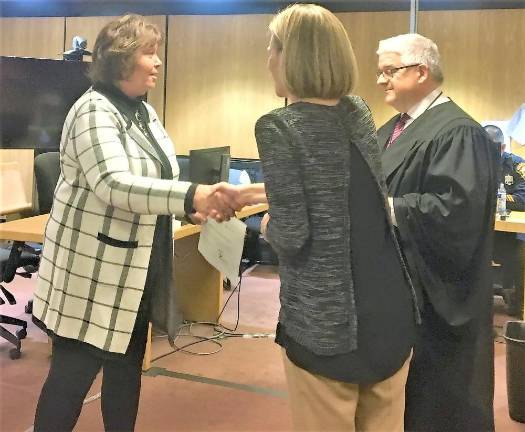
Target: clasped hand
219,201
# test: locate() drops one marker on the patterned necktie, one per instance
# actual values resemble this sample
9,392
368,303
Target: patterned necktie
398,128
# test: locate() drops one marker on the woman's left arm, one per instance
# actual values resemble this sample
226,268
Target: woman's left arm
288,230
254,193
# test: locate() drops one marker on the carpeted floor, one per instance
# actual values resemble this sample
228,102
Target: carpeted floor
241,387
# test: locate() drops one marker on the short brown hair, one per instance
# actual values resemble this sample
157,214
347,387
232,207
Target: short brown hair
116,46
318,58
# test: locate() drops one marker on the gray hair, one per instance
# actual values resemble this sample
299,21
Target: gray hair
414,48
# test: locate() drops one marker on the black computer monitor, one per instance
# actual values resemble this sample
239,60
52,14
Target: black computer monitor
210,165
35,96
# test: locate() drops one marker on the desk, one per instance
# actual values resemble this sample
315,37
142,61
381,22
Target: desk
199,285
515,222
27,230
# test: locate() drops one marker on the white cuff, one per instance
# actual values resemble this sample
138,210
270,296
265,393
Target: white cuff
392,213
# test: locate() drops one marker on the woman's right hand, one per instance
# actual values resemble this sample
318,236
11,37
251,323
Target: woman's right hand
219,201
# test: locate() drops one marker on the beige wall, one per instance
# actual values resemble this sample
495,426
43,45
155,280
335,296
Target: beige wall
483,55
217,81
366,29
32,37
217,84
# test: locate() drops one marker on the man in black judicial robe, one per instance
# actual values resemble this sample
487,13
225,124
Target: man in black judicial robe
440,168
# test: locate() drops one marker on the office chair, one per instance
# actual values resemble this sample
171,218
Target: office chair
256,249
47,172
184,168
507,270
11,258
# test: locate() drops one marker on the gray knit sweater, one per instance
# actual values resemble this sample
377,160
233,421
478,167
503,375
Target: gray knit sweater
305,155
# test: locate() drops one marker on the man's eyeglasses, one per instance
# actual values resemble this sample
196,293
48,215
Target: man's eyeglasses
390,71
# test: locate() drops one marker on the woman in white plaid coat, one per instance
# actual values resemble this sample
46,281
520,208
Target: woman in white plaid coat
108,244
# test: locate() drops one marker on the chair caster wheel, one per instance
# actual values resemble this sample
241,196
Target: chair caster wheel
14,354
28,308
21,334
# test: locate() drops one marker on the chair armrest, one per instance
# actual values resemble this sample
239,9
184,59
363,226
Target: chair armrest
13,261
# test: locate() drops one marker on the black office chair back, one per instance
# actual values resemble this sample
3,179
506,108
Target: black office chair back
47,171
184,168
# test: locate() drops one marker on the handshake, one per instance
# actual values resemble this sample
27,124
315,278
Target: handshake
220,201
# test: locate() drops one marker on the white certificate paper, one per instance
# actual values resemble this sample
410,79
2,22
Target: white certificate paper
221,245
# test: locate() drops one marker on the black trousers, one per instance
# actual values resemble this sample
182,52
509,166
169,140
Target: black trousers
450,385
74,366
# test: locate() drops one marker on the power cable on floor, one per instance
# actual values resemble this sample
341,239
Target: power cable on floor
221,332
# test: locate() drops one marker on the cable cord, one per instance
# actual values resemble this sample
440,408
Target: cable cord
220,331
238,289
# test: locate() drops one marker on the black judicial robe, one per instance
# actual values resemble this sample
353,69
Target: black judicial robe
441,172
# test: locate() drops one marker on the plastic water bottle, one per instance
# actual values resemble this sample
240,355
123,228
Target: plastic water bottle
501,208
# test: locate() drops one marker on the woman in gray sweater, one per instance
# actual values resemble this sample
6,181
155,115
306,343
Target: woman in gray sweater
347,314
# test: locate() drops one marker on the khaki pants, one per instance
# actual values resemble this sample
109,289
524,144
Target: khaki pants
323,404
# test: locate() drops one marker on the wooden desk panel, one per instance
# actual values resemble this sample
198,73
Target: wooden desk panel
515,222
28,229
197,283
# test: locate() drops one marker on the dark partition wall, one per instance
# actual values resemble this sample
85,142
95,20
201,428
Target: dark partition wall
35,96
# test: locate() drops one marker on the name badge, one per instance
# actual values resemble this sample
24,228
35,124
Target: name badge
509,180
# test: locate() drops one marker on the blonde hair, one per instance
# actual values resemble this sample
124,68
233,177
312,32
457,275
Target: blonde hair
116,46
318,59
414,48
